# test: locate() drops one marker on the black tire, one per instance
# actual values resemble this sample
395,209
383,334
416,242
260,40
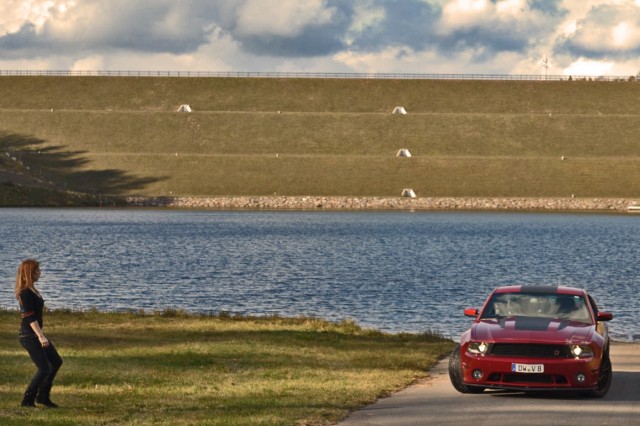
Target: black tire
604,381
455,374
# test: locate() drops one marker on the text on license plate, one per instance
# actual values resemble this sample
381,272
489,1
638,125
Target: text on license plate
527,368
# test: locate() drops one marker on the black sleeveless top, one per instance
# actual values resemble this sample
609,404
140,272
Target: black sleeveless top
31,308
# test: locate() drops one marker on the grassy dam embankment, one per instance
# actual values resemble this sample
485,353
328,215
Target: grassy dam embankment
123,136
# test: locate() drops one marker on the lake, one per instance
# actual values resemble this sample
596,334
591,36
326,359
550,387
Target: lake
394,271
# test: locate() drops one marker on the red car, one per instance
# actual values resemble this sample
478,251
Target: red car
534,338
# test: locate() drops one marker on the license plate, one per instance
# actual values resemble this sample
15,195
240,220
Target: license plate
527,368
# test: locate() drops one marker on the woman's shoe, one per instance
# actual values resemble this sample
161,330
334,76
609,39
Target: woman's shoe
44,397
29,399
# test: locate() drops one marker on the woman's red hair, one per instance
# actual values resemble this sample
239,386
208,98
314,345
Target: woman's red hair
24,278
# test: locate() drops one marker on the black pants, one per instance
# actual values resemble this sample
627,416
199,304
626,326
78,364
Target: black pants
46,359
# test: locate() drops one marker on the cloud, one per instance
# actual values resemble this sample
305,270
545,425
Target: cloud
606,31
288,19
287,28
382,25
497,26
15,14
90,63
98,26
491,36
588,68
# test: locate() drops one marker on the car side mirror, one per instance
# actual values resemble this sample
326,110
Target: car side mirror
605,316
471,312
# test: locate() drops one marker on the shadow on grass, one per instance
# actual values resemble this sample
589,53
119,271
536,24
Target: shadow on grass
44,165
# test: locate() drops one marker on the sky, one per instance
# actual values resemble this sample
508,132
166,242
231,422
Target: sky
555,37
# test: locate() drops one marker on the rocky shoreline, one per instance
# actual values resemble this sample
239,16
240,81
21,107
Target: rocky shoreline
388,203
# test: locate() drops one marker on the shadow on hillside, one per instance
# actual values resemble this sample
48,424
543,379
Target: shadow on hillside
30,158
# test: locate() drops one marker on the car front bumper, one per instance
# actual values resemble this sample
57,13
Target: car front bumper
558,374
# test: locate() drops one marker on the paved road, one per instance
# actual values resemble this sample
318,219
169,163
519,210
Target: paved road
433,401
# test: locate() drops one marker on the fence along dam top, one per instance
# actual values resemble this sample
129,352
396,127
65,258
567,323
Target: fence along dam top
247,74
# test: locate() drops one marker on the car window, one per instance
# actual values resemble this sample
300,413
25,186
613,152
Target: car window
552,306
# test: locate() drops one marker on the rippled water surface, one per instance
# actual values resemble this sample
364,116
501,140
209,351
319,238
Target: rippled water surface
395,271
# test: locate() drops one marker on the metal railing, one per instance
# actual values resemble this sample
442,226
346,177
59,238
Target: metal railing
337,75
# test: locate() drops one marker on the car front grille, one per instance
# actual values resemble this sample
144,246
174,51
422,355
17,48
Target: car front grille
526,379
528,350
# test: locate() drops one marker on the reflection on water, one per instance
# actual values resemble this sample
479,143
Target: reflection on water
395,271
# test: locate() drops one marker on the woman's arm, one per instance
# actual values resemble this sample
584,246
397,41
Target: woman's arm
43,339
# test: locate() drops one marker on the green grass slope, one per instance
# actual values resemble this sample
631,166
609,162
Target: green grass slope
123,136
171,368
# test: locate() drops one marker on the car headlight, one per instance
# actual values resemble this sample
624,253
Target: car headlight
581,351
479,348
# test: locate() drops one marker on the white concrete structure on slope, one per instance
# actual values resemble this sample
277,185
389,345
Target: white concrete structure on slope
408,192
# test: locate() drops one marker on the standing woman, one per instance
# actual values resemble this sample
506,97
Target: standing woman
40,349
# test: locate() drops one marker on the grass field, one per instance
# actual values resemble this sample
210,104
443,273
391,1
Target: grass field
173,368
122,136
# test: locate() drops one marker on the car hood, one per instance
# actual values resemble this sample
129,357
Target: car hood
539,330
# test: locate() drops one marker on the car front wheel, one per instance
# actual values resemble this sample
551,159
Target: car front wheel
604,381
455,374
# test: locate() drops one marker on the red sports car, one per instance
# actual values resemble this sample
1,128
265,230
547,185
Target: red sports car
534,338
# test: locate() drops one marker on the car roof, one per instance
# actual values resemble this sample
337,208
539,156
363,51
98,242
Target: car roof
542,289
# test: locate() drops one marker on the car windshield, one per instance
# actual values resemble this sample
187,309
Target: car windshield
552,306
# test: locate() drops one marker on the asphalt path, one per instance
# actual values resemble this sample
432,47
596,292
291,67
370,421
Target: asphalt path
434,401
